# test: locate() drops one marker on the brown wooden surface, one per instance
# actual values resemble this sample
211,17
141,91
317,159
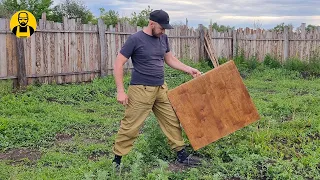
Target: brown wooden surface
213,105
22,67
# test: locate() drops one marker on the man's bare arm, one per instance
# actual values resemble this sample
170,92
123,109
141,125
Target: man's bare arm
118,75
173,62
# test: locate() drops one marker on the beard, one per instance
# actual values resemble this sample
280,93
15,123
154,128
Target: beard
155,34
23,24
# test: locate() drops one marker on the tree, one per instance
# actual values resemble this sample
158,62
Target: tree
280,27
141,19
72,9
110,17
311,27
3,12
36,7
220,28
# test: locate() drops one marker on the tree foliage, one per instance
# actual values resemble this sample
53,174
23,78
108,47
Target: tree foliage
311,27
72,9
141,19
36,7
220,28
110,17
280,27
3,12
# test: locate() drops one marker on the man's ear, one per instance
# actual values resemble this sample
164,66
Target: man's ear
152,24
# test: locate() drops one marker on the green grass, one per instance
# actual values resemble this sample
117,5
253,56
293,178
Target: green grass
283,144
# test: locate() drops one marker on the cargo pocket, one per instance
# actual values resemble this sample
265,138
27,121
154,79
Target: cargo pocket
140,94
165,87
163,93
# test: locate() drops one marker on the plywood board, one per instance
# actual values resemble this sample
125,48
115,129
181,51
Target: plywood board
213,105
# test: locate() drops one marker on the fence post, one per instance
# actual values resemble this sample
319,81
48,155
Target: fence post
44,16
22,76
201,49
286,43
303,36
102,30
234,43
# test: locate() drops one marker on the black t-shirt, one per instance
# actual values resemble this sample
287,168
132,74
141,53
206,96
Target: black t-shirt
147,55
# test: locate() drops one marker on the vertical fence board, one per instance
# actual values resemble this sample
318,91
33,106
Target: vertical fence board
102,29
10,54
3,51
58,52
97,51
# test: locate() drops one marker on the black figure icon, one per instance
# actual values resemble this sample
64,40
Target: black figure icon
23,29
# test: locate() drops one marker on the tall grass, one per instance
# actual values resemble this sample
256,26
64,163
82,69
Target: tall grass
307,68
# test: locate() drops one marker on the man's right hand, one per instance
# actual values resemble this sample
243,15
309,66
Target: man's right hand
122,98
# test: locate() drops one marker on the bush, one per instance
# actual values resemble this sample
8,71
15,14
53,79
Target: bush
240,59
295,65
253,63
5,87
271,61
222,60
314,63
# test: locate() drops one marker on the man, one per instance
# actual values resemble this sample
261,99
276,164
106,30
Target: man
147,92
23,29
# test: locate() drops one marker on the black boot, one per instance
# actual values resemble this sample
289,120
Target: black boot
117,160
186,159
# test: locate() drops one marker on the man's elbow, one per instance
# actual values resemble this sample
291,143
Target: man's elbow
117,66
119,62
169,60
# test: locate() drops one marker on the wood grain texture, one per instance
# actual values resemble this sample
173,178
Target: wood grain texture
22,67
3,51
213,105
102,30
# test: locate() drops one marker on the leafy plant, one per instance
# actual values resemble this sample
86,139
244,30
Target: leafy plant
142,18
271,61
72,9
220,28
110,17
295,65
36,7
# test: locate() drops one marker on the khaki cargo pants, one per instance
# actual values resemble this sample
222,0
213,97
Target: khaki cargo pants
143,99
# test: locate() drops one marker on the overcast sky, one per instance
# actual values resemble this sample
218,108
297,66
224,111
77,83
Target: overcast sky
237,13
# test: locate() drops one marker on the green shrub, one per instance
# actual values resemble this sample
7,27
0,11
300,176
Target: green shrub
295,64
222,60
271,61
240,59
5,87
253,63
314,63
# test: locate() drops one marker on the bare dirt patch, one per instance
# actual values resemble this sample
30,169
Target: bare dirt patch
96,155
176,167
61,137
21,154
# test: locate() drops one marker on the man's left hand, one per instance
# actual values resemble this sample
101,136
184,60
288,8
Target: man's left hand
194,72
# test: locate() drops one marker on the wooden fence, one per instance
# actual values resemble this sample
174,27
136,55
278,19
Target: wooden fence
73,52
299,44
